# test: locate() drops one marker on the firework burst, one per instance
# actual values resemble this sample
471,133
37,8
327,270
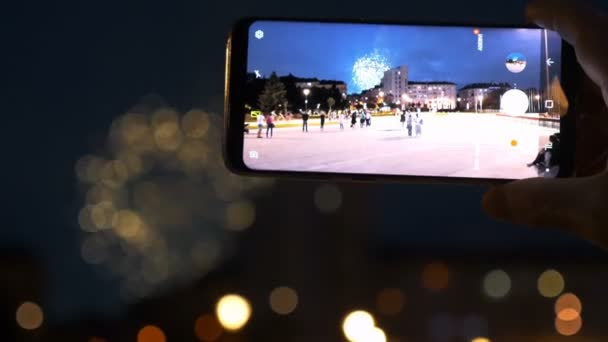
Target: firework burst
369,70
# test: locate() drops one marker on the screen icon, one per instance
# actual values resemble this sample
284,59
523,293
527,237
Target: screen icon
549,104
550,62
253,155
259,34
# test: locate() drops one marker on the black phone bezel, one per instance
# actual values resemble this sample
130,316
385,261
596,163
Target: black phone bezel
235,80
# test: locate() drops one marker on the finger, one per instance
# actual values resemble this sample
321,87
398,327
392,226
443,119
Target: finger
581,26
565,204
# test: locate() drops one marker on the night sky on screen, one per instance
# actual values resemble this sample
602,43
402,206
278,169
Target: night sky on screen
329,51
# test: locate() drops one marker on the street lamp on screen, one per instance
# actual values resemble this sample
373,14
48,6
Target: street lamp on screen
381,94
480,98
306,93
537,97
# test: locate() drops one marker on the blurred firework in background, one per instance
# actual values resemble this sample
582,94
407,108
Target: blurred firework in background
160,207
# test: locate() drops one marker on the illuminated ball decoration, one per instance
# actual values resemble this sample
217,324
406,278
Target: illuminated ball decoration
369,70
207,328
233,312
515,102
357,325
151,333
29,316
435,276
390,301
568,328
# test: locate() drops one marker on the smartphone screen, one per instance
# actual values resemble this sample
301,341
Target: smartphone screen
433,101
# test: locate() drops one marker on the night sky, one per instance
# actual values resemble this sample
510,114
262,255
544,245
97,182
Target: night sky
329,51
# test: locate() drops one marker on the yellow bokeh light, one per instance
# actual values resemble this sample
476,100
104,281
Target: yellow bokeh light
435,276
568,328
99,193
132,161
283,300
480,339
195,124
357,325
372,335
29,316
551,284
168,137
233,312
497,284
193,155
568,301
151,333
390,301
240,215
102,214
127,224
114,174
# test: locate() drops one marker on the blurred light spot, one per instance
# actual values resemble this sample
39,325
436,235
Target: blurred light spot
568,314
195,124
151,333
193,155
97,339
374,334
29,316
98,194
101,215
480,339
207,328
390,301
551,283
132,161
513,142
127,224
94,249
357,325
568,301
85,220
474,326
441,327
206,254
88,168
568,328
328,198
497,284
233,312
435,276
240,215
283,300
167,133
114,174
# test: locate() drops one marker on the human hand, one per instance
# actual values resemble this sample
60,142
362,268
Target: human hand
577,205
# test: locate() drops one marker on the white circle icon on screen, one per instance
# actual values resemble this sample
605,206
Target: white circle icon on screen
514,102
259,34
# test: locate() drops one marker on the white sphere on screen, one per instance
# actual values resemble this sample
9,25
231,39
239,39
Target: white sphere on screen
514,102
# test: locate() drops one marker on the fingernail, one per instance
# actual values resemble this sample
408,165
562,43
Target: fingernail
495,203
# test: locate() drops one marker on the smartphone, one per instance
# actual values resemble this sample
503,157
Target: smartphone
392,101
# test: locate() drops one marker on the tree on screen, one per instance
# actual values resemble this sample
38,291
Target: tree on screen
274,94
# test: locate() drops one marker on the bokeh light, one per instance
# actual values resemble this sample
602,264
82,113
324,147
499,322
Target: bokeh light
357,325
568,328
240,215
29,316
441,327
568,301
435,276
497,284
390,301
97,339
374,334
551,284
207,328
233,312
283,300
151,333
480,339
157,199
328,198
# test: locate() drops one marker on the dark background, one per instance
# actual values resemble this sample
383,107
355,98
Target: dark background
70,68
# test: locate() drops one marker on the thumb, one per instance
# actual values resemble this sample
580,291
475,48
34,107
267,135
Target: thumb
572,204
